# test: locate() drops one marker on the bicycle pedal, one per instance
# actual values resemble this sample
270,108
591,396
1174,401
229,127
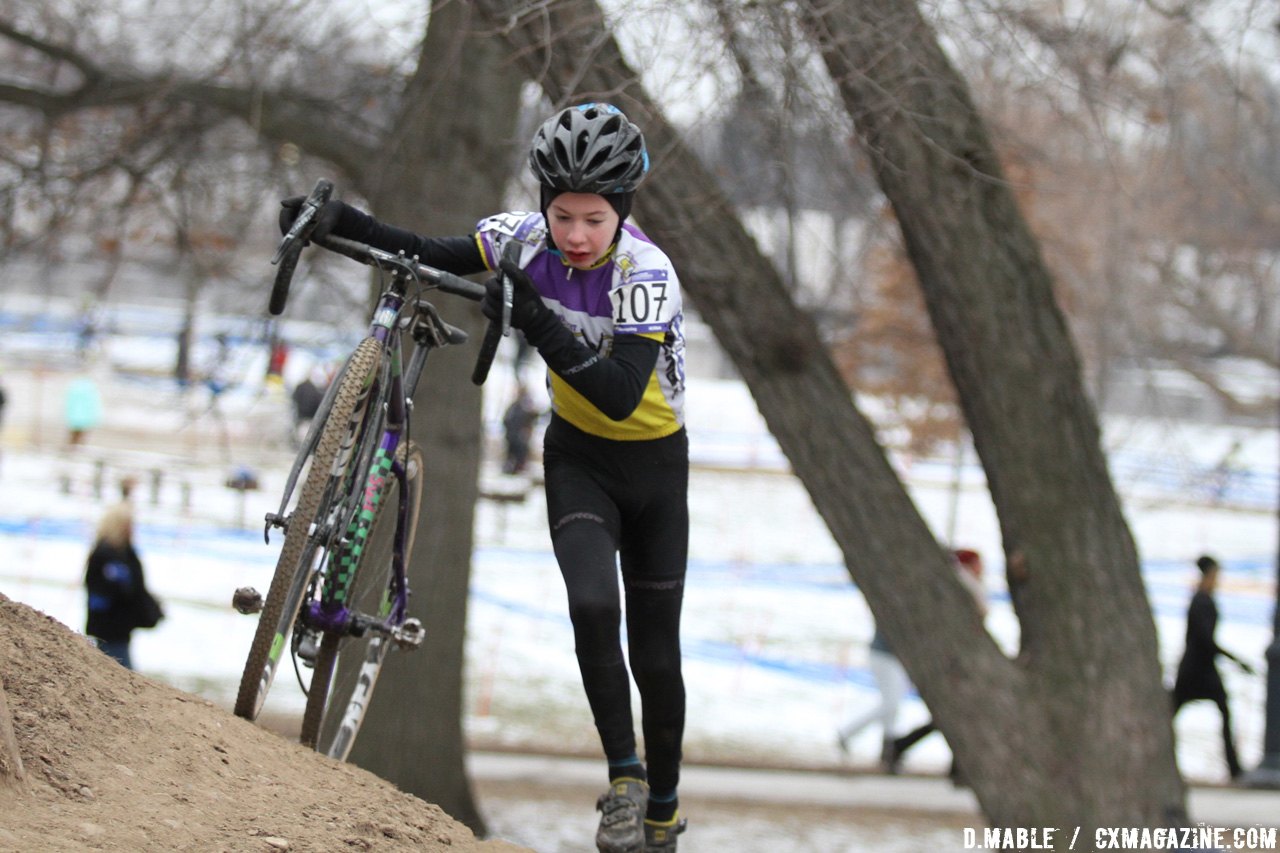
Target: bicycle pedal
409,636
247,600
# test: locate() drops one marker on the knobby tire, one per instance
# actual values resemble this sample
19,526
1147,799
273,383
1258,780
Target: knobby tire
293,568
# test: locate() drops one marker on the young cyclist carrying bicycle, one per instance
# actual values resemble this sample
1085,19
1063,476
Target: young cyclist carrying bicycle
602,306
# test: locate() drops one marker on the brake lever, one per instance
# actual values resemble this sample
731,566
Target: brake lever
318,198
508,302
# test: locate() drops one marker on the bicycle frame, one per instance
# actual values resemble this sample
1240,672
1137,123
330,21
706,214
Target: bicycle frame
330,612
334,583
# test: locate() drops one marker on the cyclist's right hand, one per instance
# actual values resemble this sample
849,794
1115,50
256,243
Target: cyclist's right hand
326,220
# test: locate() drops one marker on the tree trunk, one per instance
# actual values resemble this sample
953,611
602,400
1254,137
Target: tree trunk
1076,732
458,161
1102,754
444,164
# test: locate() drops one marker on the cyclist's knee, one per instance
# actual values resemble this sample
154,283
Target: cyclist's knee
596,622
658,678
587,608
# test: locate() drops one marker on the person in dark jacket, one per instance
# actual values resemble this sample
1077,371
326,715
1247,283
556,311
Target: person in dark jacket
1198,676
118,600
518,422
307,397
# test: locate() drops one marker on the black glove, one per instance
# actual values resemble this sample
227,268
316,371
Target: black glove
326,220
527,307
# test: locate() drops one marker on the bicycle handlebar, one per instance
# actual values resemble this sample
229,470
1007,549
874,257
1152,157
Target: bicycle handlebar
488,349
446,281
300,233
366,254
292,243
500,327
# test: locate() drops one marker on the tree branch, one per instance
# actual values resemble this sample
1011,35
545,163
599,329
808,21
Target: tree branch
282,115
89,70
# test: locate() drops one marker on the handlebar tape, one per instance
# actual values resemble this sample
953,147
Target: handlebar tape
284,275
290,248
499,328
488,349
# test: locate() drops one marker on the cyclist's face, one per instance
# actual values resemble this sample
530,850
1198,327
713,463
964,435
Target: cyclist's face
582,226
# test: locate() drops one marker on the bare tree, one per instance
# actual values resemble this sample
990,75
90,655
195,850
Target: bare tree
1141,140
1087,678
1075,731
420,163
1141,145
459,162
1079,715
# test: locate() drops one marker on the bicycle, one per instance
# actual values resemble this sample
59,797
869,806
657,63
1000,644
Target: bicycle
339,595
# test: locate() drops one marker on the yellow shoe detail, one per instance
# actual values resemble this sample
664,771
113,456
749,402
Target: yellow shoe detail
659,831
620,784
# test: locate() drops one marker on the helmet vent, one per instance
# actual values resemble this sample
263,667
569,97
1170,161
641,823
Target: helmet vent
592,148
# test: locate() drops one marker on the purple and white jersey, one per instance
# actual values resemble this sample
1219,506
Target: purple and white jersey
633,291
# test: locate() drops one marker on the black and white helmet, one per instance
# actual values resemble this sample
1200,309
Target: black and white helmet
590,148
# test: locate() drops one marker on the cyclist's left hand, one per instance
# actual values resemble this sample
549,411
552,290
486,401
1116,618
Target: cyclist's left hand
326,220
526,304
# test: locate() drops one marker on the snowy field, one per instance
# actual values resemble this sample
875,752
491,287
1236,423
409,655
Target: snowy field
775,633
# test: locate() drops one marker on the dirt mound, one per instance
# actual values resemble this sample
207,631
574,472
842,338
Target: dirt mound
114,761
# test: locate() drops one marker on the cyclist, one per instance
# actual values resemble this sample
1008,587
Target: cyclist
602,306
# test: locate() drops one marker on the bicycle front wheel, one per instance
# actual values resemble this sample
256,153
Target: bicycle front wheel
347,667
311,523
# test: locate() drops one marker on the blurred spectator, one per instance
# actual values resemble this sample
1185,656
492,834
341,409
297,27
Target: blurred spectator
277,356
517,427
307,396
182,360
1198,676
218,374
118,599
83,408
893,683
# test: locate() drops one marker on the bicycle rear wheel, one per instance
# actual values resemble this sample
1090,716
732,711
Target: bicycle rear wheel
310,524
347,667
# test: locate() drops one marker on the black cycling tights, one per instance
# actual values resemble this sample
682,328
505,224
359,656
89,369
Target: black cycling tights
607,499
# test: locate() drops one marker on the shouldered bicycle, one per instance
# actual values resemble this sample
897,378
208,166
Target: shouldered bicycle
338,600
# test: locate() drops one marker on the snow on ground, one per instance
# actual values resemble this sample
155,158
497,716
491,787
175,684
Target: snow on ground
775,633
